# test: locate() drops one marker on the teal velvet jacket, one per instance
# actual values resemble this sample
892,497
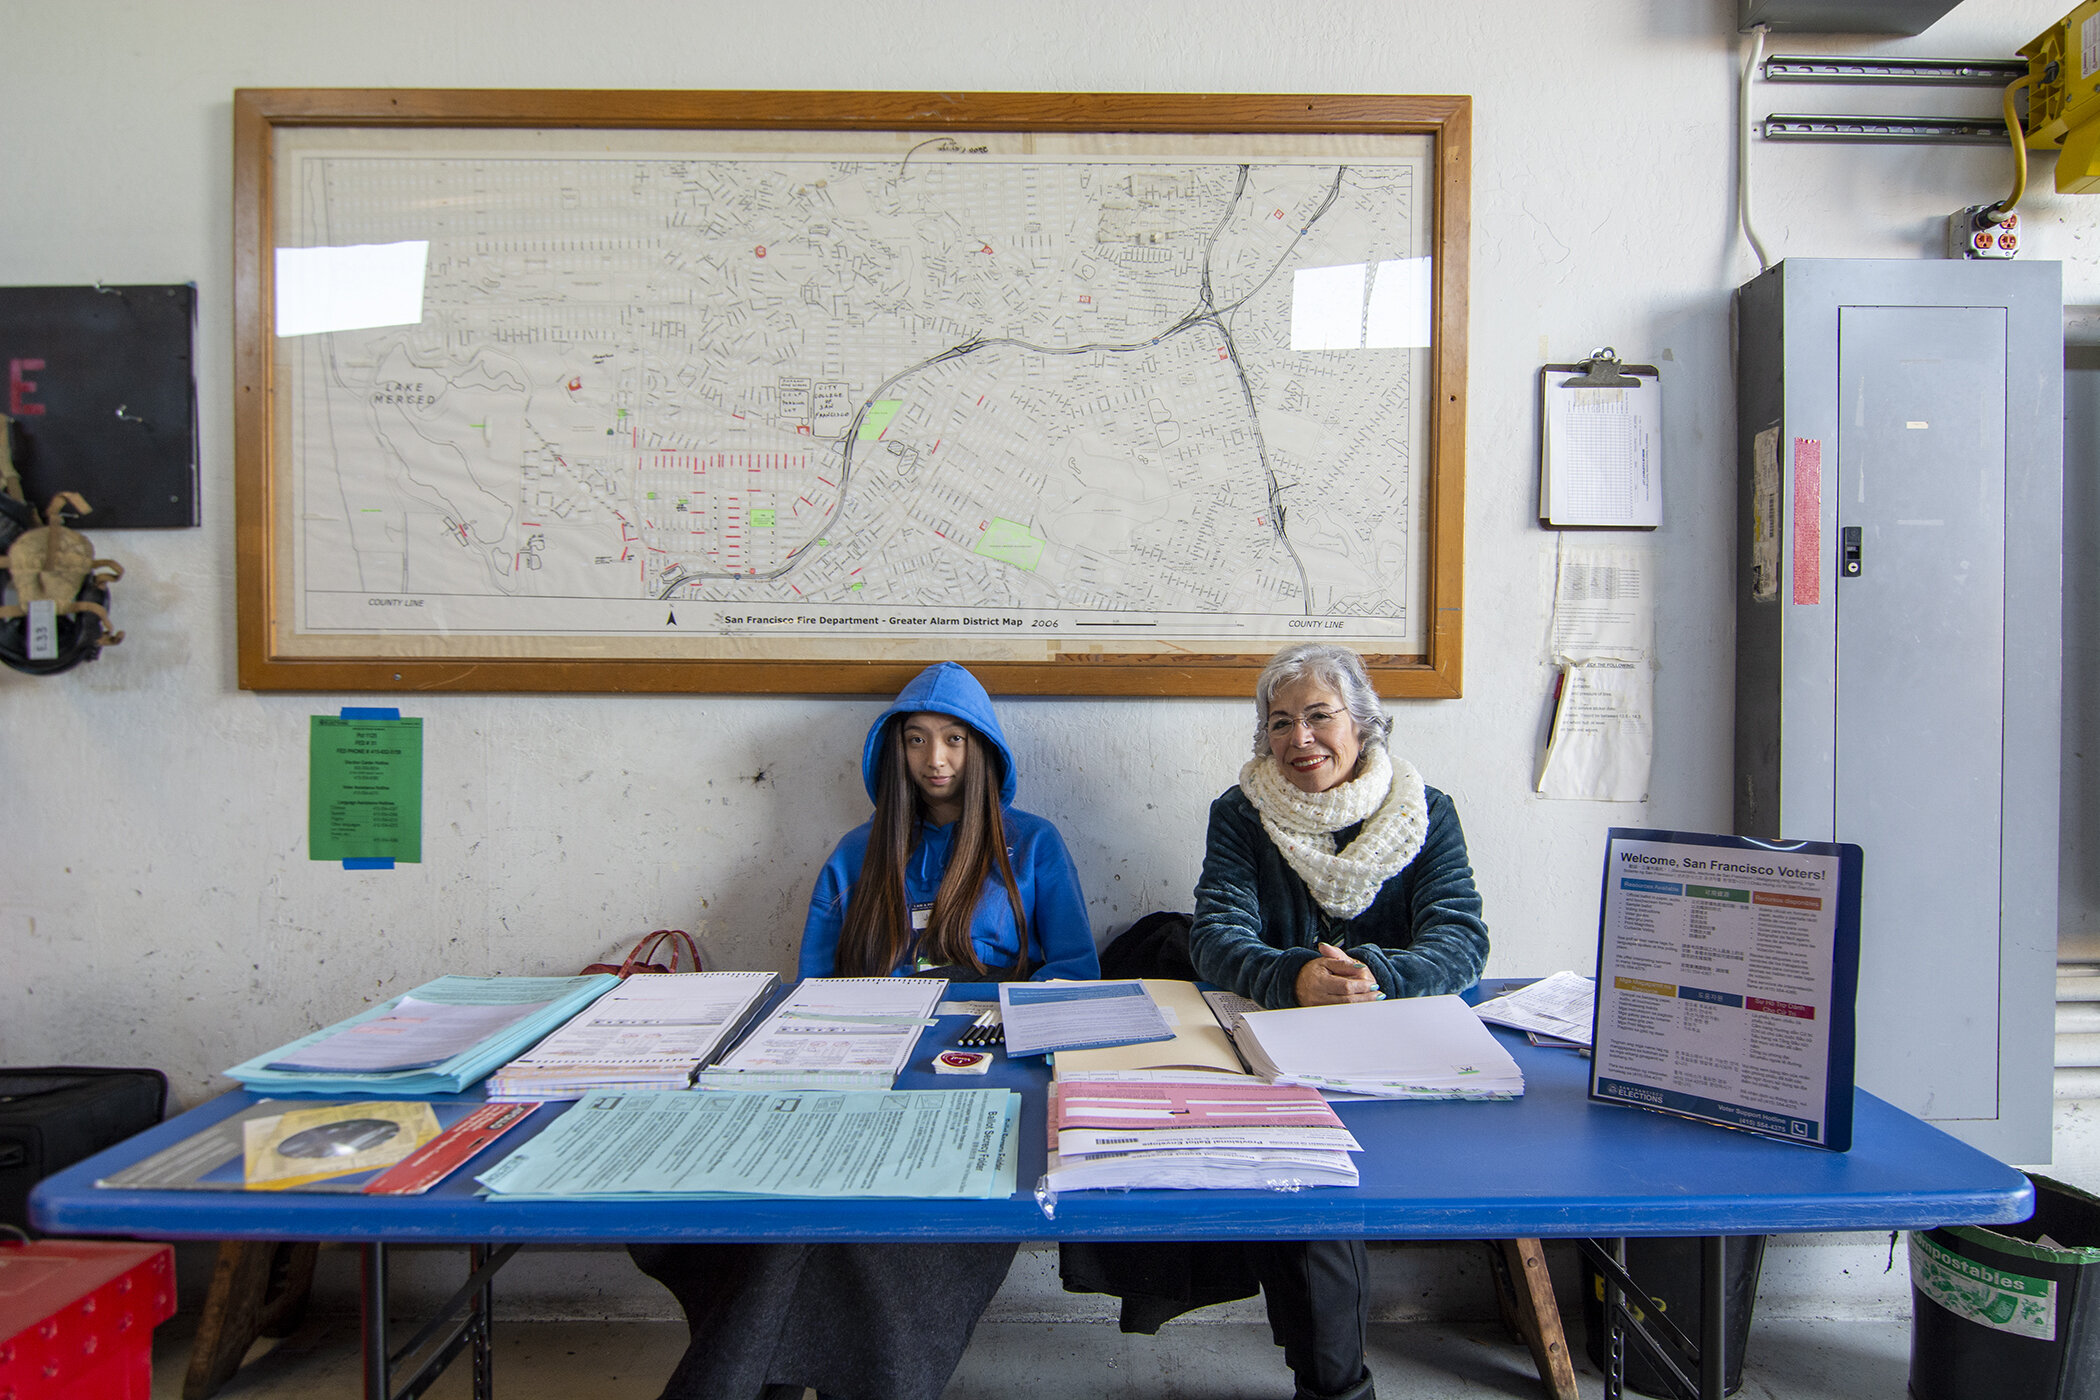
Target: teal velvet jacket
1256,923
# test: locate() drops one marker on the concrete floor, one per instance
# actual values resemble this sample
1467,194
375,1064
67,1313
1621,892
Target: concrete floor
1796,1360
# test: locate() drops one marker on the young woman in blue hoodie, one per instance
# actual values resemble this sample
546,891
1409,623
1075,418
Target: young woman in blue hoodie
947,879
948,872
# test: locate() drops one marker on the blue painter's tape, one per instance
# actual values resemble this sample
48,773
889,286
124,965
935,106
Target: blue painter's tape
368,863
353,712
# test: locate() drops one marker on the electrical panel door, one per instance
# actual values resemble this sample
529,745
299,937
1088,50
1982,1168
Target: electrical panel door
1921,685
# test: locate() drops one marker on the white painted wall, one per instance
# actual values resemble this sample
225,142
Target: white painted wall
162,909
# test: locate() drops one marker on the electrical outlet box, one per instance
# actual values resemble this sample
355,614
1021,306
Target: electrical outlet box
1974,233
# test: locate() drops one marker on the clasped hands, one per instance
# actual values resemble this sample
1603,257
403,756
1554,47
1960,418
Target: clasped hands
1334,978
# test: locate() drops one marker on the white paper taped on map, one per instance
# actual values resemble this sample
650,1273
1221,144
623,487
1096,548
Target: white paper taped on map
1331,309
361,287
1004,395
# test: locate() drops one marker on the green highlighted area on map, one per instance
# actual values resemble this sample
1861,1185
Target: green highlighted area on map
1009,542
877,422
761,519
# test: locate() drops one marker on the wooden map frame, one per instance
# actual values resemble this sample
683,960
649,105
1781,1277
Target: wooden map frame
260,481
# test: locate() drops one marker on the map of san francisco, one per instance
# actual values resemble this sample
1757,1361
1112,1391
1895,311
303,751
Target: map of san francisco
1033,397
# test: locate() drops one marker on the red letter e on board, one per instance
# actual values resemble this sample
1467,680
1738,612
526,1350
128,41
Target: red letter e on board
19,389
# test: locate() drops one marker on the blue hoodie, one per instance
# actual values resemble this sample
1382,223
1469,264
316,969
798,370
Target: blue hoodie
1061,940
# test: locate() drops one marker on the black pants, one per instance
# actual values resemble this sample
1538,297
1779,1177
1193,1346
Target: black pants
865,1321
1317,1293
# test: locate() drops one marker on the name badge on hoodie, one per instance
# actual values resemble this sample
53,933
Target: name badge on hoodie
921,917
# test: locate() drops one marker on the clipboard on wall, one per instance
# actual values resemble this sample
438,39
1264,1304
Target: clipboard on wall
1600,444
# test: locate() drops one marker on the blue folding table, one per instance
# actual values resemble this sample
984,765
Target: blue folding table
1550,1164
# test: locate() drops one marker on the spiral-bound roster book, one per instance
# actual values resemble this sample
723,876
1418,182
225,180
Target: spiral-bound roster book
832,1033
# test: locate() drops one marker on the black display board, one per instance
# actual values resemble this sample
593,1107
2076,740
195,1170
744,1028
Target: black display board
1727,981
100,382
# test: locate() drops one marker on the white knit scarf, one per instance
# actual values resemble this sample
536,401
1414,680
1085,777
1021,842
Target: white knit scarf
1386,796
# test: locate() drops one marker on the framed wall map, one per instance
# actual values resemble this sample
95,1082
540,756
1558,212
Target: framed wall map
799,392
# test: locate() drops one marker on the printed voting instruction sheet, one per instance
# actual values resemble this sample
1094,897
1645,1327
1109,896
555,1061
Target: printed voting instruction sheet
1726,972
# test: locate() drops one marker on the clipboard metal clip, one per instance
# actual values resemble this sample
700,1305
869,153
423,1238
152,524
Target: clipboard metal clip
1602,370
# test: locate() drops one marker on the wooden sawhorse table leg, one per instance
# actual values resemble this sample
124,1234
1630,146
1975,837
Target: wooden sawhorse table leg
1528,1305
259,1288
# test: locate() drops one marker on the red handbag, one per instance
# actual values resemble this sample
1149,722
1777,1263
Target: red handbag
638,958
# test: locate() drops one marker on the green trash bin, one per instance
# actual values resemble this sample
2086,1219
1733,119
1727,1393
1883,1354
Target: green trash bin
2012,1310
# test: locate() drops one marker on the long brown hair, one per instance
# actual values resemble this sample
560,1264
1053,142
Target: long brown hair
877,931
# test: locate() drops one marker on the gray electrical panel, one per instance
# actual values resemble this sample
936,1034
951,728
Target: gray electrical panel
1840,16
1898,650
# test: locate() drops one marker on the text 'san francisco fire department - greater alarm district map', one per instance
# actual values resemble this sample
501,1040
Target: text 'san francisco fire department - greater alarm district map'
970,387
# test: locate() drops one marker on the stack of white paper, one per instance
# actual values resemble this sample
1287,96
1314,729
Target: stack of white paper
1410,1048
437,1039
1212,1131
651,1032
1561,1007
832,1033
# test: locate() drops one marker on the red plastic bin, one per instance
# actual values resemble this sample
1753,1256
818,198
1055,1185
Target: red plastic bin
77,1318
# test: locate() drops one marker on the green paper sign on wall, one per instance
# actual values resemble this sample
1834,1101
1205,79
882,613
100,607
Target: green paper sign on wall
365,790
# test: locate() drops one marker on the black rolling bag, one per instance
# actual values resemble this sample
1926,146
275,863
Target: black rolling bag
51,1118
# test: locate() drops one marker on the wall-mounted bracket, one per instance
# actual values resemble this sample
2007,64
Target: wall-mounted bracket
1893,71
1945,131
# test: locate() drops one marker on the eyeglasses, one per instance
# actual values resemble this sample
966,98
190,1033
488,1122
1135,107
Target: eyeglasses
1320,721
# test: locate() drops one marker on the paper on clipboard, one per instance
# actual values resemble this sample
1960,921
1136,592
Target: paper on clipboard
1601,445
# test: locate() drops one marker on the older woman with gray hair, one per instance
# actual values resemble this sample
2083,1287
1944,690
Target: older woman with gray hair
1331,874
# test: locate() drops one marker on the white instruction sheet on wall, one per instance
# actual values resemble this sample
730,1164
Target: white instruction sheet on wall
1601,747
1603,601
1603,742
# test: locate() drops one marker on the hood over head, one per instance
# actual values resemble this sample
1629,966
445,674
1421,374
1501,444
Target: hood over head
946,689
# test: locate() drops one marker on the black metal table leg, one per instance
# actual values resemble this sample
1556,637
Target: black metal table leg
372,1270
484,1325
1713,1317
1630,1316
426,1355
1615,1373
